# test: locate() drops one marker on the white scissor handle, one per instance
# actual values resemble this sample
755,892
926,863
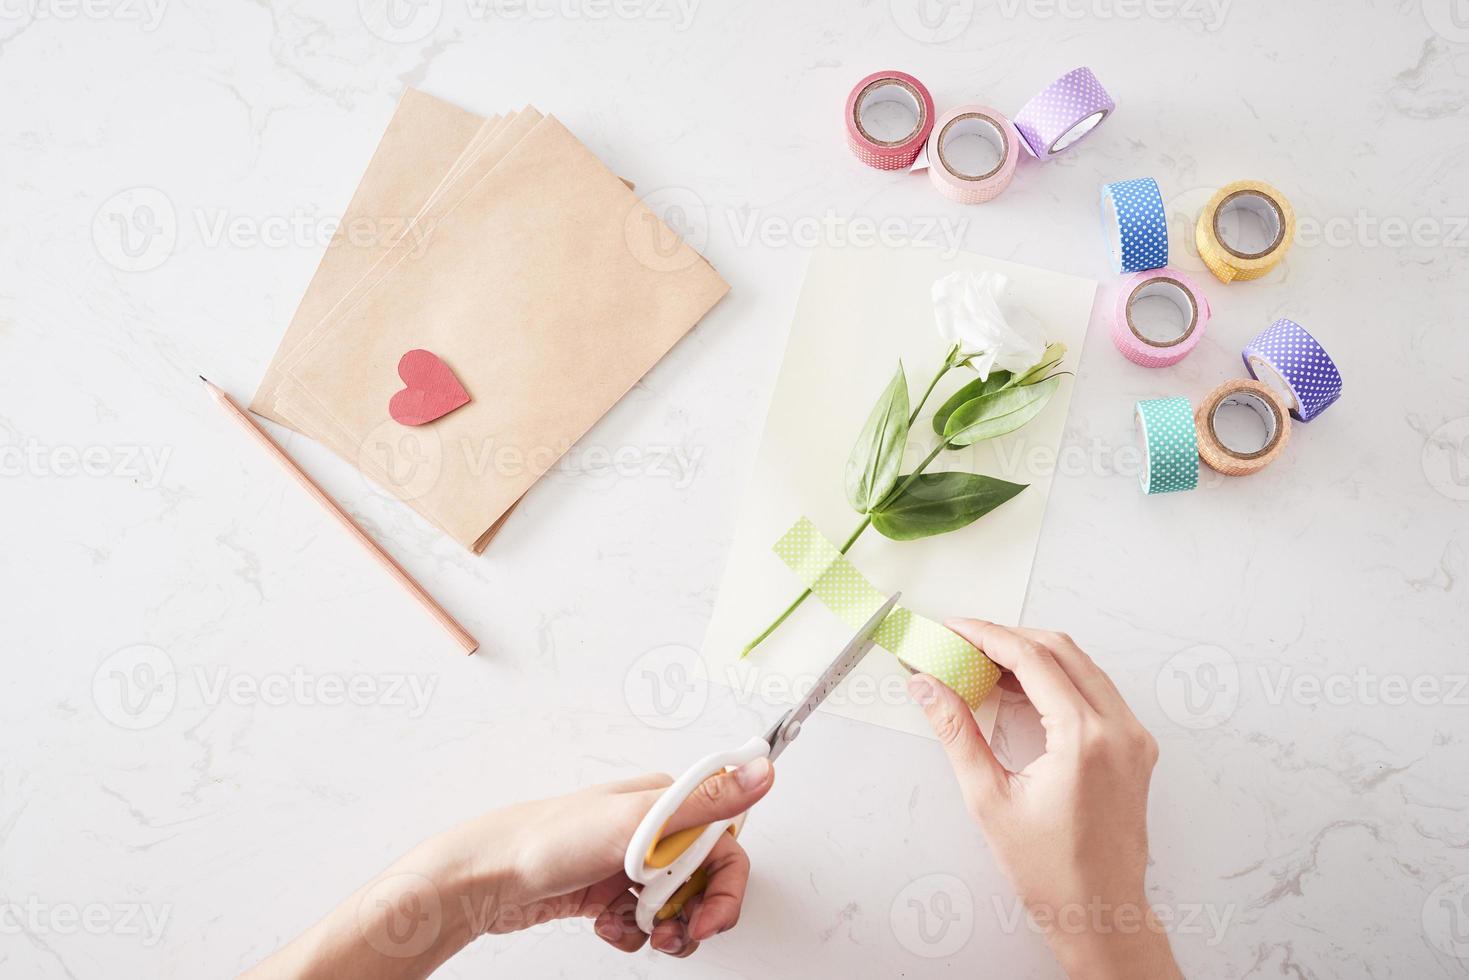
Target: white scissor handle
659,883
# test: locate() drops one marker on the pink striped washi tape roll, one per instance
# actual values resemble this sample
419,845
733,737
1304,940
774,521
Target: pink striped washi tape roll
972,154
907,92
1137,336
1063,112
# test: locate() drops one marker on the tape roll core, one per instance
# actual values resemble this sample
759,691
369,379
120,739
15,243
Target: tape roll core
973,124
1262,205
909,97
1268,411
1078,131
1264,371
1176,293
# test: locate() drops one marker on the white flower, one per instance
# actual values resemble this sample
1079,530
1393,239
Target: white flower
971,310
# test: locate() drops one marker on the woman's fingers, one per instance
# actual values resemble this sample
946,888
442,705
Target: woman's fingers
1090,679
617,923
1048,686
671,936
723,796
980,774
718,907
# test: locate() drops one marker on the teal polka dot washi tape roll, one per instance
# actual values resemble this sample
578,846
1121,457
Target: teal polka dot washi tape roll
1165,427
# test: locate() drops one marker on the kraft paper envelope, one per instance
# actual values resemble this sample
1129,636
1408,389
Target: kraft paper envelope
424,140
861,309
298,408
549,289
300,411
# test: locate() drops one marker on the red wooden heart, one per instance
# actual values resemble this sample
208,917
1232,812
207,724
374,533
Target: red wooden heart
432,391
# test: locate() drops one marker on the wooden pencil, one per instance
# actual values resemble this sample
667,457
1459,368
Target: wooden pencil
459,633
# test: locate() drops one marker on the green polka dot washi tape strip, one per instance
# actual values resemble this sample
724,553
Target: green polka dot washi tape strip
1165,426
919,643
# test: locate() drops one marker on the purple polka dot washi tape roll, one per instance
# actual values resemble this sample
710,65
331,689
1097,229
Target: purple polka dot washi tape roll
1064,111
1294,364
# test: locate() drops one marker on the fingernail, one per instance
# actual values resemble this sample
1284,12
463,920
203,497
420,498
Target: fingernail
921,689
610,930
673,944
753,773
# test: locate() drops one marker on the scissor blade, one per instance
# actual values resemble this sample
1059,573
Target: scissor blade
857,648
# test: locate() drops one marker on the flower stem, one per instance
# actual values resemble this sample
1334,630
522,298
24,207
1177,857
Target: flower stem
851,539
867,520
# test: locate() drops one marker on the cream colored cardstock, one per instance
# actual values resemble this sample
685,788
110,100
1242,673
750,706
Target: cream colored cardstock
549,289
860,311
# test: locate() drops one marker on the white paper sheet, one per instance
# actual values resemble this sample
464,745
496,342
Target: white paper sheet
862,309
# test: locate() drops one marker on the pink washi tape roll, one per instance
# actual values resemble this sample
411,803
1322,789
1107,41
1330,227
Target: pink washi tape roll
1157,341
972,153
888,94
1064,111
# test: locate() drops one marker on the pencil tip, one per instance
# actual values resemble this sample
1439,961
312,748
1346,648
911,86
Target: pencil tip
203,379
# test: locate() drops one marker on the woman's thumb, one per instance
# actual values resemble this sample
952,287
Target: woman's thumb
723,796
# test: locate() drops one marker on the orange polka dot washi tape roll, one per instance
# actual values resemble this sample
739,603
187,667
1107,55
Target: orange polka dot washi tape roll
888,93
956,170
1221,243
1237,455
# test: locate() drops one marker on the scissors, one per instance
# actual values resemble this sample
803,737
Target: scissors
670,869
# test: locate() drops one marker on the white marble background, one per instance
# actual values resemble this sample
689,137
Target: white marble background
1296,640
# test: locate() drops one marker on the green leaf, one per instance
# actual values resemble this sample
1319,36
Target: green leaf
971,391
1052,357
939,502
872,469
998,413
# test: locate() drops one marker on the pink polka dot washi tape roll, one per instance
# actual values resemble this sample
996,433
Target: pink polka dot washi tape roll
972,154
1140,338
892,89
1064,111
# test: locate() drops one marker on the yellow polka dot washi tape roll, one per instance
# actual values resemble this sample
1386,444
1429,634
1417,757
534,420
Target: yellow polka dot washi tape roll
920,644
1220,232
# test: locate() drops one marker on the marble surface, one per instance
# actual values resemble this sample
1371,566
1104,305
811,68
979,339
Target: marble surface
219,718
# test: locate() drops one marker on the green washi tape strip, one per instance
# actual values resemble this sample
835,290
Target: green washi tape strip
921,644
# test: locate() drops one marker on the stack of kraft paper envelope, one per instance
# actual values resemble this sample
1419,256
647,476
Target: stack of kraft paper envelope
504,247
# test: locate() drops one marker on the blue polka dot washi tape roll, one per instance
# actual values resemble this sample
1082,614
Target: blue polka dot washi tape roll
1165,427
1295,365
1136,223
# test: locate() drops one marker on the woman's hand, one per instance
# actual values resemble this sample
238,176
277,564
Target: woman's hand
1070,829
521,866
566,858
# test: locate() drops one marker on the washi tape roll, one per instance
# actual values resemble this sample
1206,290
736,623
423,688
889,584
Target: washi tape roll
1235,456
1165,429
1135,334
889,87
1224,251
1063,112
958,171
1295,365
1136,224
